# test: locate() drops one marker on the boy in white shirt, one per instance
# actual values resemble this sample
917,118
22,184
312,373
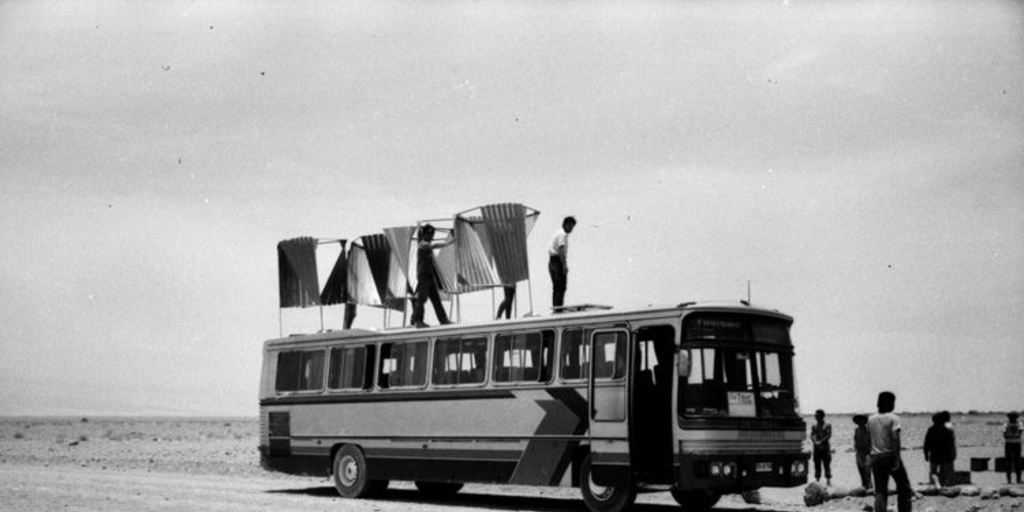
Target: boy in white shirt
884,429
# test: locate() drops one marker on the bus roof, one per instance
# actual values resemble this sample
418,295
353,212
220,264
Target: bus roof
571,313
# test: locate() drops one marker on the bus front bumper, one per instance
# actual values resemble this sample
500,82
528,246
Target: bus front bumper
731,473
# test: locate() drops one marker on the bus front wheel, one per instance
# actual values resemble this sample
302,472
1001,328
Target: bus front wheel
697,500
350,476
604,498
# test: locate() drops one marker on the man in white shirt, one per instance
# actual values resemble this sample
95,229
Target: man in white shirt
884,430
558,266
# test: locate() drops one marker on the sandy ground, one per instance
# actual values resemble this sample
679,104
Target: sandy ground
138,464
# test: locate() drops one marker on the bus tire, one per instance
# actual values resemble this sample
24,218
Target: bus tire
604,498
350,476
696,500
439,489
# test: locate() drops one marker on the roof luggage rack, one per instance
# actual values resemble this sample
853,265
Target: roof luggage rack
576,308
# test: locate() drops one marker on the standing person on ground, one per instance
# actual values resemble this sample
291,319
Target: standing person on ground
821,434
506,303
426,277
940,449
558,265
884,429
1011,435
862,447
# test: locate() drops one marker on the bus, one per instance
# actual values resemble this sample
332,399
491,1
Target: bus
698,400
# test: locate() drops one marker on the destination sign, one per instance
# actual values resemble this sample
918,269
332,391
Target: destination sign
727,327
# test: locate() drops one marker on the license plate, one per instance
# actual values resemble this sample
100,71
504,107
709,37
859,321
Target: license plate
763,467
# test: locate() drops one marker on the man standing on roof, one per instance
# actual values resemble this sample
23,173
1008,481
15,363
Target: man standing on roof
557,262
426,277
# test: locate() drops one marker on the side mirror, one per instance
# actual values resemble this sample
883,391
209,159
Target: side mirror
683,364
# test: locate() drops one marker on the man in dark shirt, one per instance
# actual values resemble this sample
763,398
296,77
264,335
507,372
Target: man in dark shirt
821,436
940,449
426,277
1011,435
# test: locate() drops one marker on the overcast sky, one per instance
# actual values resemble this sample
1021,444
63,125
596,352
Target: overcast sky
860,163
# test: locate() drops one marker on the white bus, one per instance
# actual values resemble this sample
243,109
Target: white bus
697,400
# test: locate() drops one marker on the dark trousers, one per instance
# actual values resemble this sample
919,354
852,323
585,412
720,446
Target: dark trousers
426,288
1012,461
865,475
506,304
882,467
823,457
559,279
350,315
864,468
943,471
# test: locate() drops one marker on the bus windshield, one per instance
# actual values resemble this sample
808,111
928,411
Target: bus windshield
738,367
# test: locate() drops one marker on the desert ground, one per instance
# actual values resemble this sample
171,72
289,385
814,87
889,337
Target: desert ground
143,464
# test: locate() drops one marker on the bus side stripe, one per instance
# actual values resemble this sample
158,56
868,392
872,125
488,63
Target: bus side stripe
544,461
389,396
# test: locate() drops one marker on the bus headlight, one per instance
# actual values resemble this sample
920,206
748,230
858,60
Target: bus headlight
723,469
798,468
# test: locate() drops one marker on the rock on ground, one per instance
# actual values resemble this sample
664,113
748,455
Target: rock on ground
970,490
815,494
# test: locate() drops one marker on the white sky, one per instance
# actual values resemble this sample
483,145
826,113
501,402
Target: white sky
859,162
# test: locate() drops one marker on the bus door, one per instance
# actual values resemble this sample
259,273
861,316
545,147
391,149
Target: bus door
608,396
650,402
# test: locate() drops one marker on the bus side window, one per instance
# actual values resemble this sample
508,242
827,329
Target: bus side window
547,348
575,356
523,357
300,370
351,368
418,364
287,371
446,361
473,361
610,355
459,361
403,364
387,366
368,365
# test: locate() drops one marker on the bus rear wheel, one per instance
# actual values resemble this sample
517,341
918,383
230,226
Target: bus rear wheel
696,500
350,475
439,489
604,498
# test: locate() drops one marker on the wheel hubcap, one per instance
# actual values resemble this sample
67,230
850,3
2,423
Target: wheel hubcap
348,471
600,492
